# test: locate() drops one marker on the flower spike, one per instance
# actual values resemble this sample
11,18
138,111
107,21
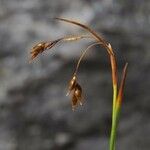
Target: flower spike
76,96
76,92
42,46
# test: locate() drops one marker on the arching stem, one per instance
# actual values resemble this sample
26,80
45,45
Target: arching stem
83,54
114,73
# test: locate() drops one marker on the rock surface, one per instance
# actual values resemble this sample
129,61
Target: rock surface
34,112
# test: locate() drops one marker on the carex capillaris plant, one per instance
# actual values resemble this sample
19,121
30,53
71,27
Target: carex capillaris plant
74,88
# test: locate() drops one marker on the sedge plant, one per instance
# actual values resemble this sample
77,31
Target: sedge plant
74,88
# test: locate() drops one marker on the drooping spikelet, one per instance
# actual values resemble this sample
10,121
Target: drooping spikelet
76,92
42,46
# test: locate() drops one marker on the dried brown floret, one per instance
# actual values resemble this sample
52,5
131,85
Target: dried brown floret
72,83
42,46
38,48
74,102
76,96
78,93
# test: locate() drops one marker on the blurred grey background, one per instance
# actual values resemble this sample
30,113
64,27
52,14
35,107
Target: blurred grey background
35,114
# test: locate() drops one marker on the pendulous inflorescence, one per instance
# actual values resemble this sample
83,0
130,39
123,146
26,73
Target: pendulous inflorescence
74,88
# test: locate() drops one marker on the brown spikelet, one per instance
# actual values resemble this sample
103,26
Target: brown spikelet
42,46
38,48
72,83
76,92
76,96
74,102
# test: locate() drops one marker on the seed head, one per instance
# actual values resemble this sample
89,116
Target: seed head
76,92
39,48
76,96
42,46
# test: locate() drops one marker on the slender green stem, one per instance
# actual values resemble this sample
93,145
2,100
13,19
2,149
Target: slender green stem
112,137
114,124
114,129
117,101
114,101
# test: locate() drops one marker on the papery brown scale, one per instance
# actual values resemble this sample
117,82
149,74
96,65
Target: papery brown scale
76,96
74,101
42,46
72,83
39,48
78,92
